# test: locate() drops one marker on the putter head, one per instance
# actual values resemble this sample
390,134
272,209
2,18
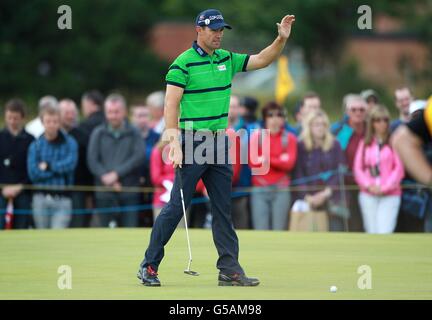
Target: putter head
191,273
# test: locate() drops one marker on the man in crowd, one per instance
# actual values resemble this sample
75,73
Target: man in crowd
156,102
239,203
114,157
412,142
141,119
51,161
69,122
311,102
91,107
35,126
14,144
349,135
403,98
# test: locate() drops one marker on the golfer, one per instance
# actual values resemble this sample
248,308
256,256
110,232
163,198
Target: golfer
409,139
199,86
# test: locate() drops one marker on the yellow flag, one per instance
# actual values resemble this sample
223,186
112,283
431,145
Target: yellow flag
284,82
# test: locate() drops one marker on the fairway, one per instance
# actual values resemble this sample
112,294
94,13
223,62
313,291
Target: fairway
104,263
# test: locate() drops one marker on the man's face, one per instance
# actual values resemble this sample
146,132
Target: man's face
51,123
156,112
87,107
311,104
235,109
141,117
356,110
68,114
14,120
115,113
403,100
211,38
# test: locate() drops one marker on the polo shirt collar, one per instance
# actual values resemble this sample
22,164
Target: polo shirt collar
201,51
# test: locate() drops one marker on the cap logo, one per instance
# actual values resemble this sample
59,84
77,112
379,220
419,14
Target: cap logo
207,22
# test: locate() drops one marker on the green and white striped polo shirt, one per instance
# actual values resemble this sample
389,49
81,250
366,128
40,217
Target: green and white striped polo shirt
207,86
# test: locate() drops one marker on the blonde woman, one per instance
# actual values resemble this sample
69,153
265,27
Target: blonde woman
379,172
319,152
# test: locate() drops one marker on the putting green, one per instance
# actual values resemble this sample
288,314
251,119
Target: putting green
290,265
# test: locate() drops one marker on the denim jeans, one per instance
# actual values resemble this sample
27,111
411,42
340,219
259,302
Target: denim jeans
270,208
51,211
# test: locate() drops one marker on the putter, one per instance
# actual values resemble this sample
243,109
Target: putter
188,270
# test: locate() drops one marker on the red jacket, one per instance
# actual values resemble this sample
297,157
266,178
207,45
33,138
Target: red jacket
281,160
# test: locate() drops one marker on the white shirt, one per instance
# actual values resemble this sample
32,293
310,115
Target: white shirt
35,127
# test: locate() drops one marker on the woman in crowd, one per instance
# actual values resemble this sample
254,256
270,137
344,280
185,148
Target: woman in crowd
378,171
272,156
320,155
162,176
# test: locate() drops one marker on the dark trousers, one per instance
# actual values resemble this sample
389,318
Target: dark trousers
20,220
80,219
124,218
217,179
240,212
355,222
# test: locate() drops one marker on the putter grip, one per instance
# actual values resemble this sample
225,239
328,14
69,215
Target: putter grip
180,178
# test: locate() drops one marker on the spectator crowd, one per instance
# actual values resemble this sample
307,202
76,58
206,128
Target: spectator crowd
107,169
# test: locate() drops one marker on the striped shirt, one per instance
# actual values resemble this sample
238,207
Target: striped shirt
207,86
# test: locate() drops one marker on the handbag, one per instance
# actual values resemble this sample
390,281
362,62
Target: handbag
415,202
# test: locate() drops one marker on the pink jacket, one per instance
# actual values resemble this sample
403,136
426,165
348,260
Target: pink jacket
390,167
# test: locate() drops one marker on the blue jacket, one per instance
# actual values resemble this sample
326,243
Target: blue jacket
342,131
61,156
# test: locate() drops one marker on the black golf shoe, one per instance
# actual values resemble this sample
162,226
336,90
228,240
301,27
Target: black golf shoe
148,277
237,280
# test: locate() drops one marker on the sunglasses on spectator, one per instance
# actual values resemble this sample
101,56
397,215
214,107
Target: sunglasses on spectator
381,120
271,114
360,110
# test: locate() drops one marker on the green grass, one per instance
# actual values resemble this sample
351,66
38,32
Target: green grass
290,265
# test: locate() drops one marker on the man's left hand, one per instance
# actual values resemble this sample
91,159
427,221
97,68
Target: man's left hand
284,28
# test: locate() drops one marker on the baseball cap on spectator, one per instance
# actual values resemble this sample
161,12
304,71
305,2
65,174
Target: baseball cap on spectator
211,18
366,94
417,105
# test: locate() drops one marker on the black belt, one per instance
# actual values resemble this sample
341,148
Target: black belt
202,132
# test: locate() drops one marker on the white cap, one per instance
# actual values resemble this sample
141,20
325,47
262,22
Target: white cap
417,105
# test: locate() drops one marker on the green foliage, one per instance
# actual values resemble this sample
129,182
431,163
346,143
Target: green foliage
106,48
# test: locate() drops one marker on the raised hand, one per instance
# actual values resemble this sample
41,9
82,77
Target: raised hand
284,28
